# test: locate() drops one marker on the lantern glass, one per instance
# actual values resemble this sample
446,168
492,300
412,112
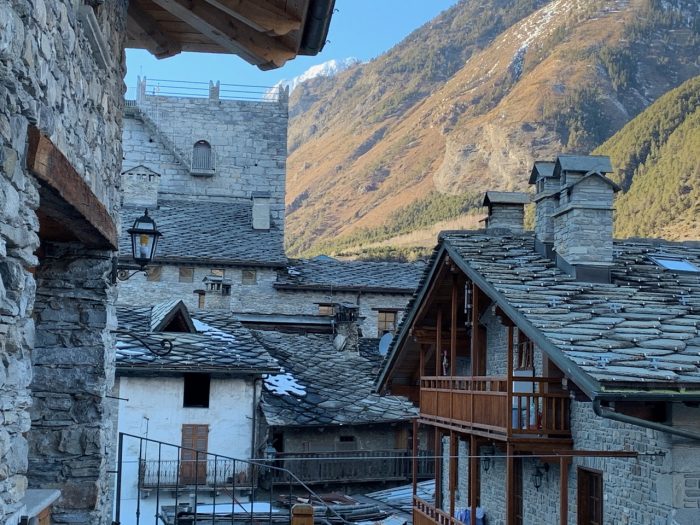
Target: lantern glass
144,239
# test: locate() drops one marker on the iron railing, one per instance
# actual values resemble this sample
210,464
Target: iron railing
164,484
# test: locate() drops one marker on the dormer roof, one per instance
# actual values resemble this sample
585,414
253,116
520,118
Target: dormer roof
541,170
582,164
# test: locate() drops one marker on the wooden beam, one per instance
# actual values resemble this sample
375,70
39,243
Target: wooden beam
146,28
510,485
229,33
453,471
509,379
474,465
261,16
453,328
65,197
564,491
438,344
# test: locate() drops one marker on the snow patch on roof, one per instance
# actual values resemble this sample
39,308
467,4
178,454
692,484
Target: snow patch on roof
284,384
213,332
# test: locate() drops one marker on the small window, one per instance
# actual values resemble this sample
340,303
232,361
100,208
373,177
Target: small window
196,393
249,277
677,264
217,272
225,289
186,275
154,273
202,158
386,321
346,443
326,309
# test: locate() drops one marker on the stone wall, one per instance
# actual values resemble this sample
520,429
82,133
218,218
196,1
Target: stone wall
248,141
50,77
73,372
506,216
258,297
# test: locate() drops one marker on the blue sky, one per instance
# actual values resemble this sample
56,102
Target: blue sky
360,28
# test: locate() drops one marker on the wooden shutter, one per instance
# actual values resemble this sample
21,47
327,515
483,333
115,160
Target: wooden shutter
193,466
590,497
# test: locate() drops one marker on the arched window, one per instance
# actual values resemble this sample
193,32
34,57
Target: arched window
202,158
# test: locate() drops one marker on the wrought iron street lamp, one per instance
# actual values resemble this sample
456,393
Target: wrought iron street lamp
144,241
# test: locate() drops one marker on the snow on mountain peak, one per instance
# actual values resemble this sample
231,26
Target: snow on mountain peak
326,69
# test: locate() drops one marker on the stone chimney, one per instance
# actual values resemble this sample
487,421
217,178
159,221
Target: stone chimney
347,330
139,186
546,201
506,209
583,222
261,210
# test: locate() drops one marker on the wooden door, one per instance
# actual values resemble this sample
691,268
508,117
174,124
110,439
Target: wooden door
590,497
193,466
518,491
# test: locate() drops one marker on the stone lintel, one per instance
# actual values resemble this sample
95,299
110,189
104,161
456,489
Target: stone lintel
66,199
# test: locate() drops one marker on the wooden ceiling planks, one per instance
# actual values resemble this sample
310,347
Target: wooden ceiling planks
265,33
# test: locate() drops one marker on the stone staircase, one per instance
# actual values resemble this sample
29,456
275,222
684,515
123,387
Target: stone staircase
149,119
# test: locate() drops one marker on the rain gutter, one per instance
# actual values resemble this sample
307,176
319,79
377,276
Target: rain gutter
624,418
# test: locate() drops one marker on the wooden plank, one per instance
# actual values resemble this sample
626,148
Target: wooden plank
438,344
261,16
509,383
231,34
73,202
143,26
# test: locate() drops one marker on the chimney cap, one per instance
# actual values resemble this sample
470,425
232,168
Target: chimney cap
506,197
582,164
542,169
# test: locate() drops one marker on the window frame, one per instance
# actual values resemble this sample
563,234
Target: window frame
196,381
383,323
184,279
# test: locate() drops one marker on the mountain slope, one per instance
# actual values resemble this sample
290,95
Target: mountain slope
658,160
467,102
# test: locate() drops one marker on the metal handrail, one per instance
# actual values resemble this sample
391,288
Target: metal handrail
251,463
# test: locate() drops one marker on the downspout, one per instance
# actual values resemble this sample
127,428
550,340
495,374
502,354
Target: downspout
253,439
624,418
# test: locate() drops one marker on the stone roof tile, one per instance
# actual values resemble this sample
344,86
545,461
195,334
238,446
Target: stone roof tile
212,232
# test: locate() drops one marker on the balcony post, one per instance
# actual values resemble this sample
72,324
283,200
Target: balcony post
563,490
453,328
509,383
414,452
510,485
474,463
453,472
438,343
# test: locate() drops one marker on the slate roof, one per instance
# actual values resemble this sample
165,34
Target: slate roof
327,386
231,352
334,275
211,232
582,163
640,333
506,197
542,169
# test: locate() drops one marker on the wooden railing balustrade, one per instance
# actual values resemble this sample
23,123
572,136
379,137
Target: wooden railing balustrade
355,466
426,514
537,409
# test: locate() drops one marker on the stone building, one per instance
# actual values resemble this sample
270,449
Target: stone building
322,404
557,371
223,227
61,71
204,394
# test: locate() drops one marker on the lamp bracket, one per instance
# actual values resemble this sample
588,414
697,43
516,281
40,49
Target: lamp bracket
166,346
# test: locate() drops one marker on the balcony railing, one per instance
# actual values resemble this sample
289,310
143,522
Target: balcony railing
354,466
426,514
206,472
536,410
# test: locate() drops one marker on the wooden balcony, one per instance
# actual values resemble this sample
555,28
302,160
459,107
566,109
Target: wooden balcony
489,407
